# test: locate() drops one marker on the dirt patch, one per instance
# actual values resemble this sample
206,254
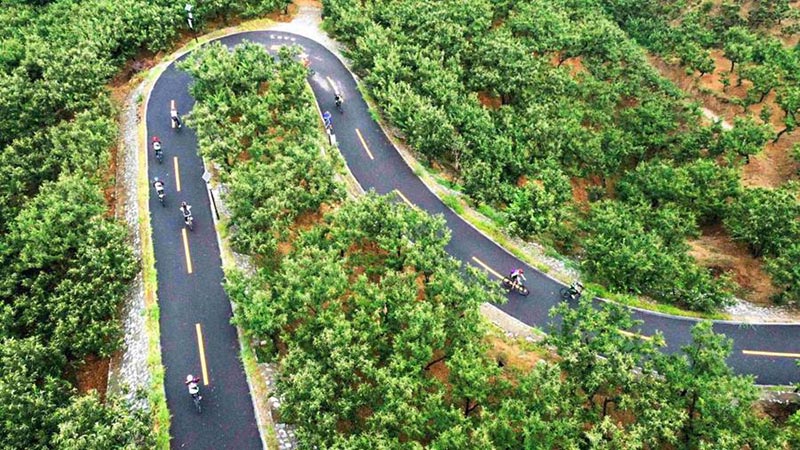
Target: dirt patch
439,370
311,3
777,411
489,101
580,195
93,374
716,250
774,166
575,66
713,99
511,355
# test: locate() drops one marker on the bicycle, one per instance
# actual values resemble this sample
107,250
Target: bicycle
572,292
161,195
196,400
515,286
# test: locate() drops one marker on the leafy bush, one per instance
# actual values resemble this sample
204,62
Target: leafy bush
648,256
785,273
766,219
89,424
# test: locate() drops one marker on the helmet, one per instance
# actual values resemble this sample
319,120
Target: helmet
155,180
156,139
183,204
189,378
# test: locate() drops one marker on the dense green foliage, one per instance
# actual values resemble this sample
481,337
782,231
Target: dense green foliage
253,118
89,424
689,30
378,335
751,35
536,106
64,262
381,346
366,305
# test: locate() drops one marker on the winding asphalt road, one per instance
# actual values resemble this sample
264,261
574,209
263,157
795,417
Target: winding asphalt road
195,311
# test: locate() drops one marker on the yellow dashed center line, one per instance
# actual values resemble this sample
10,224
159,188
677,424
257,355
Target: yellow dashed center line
186,250
403,197
488,269
778,354
330,82
202,349
361,138
177,174
634,335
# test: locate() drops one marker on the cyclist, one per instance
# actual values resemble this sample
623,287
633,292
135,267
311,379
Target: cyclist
194,388
339,100
158,184
186,209
515,276
176,119
157,146
576,289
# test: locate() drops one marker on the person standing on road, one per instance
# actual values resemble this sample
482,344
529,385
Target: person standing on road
326,118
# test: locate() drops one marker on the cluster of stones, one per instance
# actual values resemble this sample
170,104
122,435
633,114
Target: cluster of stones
284,432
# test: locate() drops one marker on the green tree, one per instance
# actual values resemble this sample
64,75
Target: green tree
785,272
765,219
746,138
89,424
788,98
717,405
65,269
738,45
31,390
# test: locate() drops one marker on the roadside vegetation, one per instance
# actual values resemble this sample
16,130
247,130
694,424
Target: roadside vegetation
65,261
376,329
548,113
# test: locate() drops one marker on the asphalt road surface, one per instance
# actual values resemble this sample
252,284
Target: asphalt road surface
195,311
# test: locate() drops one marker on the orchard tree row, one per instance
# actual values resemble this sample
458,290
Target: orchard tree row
377,331
689,31
549,113
65,263
767,220
255,121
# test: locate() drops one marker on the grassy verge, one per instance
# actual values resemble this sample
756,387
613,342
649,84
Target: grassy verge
636,302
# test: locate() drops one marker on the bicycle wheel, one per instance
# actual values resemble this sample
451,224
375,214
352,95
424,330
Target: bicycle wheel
506,283
523,291
564,293
196,400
